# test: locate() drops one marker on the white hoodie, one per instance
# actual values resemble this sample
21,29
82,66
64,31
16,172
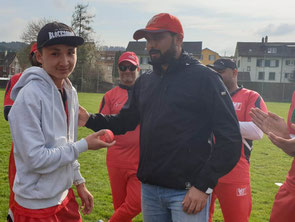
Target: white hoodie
45,150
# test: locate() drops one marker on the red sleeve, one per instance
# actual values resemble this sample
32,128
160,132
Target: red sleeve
254,101
9,86
105,105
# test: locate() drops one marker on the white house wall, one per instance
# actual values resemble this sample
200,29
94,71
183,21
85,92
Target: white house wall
280,71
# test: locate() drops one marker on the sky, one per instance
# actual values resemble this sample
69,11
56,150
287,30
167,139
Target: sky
219,24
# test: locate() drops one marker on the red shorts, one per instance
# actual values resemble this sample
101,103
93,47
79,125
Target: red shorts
67,211
235,202
284,206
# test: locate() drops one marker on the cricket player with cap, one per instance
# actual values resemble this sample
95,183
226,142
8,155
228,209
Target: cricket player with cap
233,190
122,158
43,122
179,105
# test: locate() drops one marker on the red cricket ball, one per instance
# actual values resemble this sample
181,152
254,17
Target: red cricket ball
108,136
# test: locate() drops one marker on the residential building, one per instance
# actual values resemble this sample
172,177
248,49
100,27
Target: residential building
106,60
193,48
266,61
208,56
9,64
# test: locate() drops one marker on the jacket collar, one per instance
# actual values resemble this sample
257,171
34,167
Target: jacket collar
125,87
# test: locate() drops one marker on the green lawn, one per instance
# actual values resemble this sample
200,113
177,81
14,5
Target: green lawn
268,165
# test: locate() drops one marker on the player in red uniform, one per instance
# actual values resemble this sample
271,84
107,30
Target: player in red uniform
123,157
283,136
8,102
233,190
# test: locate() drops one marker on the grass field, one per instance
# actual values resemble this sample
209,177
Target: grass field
268,165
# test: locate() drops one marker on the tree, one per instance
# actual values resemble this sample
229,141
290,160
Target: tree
81,20
31,31
87,71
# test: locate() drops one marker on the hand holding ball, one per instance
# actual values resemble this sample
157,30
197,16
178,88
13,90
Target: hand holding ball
108,137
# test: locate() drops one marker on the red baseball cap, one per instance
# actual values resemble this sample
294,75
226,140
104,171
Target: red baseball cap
162,22
130,57
34,48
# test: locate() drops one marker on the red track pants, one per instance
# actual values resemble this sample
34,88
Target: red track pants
126,191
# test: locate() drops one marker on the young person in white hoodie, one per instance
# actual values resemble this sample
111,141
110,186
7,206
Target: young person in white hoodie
43,123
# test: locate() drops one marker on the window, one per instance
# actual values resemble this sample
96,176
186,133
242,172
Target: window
212,57
267,63
273,63
287,75
261,75
272,50
248,68
272,76
259,62
249,59
102,58
288,62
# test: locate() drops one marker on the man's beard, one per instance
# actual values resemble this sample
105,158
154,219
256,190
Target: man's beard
164,58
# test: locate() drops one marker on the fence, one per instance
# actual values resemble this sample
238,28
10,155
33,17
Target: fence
272,92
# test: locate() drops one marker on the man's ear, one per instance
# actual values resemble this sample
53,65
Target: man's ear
179,39
38,56
235,72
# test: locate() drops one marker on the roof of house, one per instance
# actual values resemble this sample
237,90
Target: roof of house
139,47
6,58
261,49
210,50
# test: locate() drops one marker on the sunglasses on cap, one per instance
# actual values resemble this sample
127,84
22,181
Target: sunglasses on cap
131,68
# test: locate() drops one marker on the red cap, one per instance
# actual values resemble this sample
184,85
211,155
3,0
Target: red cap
162,22
34,48
130,57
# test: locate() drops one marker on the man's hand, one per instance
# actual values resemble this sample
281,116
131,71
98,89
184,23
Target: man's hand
287,145
270,123
86,198
194,201
94,141
83,116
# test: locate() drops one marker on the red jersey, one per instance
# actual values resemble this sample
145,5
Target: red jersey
290,180
7,105
243,100
125,153
9,86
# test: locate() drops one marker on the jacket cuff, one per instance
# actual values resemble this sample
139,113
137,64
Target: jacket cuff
81,145
204,184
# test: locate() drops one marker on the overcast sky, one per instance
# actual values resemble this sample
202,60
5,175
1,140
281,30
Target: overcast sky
219,24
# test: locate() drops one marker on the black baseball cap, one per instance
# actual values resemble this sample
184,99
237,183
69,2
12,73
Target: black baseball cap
222,64
56,33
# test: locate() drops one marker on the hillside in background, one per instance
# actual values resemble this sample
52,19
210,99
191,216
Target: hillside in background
12,46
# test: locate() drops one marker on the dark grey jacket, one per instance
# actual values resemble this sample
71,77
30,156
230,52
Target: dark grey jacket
179,111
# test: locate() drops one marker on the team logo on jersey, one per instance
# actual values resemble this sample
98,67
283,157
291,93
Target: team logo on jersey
241,191
117,104
238,106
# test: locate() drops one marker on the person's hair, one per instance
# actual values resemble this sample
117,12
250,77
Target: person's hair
33,60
